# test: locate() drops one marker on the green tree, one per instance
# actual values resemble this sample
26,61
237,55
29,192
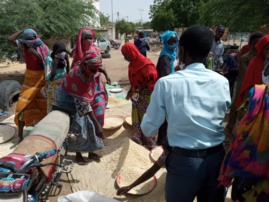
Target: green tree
124,27
243,15
162,15
50,18
103,19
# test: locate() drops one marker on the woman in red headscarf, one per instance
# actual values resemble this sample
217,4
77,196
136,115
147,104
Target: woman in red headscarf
84,44
143,76
83,94
254,71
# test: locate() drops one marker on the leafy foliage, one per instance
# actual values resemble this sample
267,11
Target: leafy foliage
50,18
240,15
125,27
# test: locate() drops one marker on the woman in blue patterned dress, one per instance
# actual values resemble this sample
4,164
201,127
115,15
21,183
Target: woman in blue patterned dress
83,93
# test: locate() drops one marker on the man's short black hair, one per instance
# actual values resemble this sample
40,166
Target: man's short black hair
141,35
253,37
197,41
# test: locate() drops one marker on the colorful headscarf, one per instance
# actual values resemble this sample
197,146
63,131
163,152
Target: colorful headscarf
92,59
248,155
30,38
254,71
138,62
79,52
76,82
170,50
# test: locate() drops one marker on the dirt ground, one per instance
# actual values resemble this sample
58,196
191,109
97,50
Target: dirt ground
116,67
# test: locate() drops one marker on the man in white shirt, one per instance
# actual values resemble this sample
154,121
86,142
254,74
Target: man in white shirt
193,101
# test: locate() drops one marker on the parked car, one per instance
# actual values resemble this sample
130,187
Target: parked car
244,38
103,44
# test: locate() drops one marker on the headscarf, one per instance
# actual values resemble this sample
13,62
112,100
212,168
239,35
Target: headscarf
254,71
170,50
30,38
76,82
80,51
138,61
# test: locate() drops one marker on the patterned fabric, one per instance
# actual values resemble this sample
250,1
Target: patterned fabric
32,40
254,71
82,48
87,88
81,126
248,155
148,74
139,108
31,103
49,92
170,50
92,59
60,72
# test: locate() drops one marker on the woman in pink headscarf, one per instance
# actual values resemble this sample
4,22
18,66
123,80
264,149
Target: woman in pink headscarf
84,44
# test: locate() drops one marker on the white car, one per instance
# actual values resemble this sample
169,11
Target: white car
103,44
244,38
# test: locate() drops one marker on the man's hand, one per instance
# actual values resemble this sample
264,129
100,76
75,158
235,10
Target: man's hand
123,190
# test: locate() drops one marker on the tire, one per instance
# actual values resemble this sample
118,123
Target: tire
107,49
106,55
9,93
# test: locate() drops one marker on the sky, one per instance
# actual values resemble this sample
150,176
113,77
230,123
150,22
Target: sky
128,9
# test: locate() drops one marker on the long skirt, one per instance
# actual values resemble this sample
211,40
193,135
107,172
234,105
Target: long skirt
139,108
82,127
32,105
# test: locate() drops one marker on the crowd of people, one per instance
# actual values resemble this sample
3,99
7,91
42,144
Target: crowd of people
179,103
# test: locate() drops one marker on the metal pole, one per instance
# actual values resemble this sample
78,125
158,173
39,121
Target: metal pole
112,19
141,16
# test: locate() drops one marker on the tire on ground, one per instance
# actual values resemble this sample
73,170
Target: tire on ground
106,55
9,93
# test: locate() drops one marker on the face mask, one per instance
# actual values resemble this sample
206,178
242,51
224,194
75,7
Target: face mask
86,44
174,46
127,59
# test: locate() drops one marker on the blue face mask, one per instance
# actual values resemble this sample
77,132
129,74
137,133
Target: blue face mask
127,59
173,46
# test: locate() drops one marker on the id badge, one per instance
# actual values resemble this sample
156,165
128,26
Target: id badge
135,96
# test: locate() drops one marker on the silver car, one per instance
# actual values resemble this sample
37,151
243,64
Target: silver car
103,44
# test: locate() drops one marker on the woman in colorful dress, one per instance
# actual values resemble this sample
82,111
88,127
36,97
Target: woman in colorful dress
56,67
32,105
246,165
83,93
84,44
142,76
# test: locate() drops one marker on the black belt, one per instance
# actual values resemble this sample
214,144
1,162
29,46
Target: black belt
198,153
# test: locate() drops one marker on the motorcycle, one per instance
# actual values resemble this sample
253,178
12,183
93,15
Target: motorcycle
22,175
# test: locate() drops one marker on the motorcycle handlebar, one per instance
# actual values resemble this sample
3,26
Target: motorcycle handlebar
46,154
